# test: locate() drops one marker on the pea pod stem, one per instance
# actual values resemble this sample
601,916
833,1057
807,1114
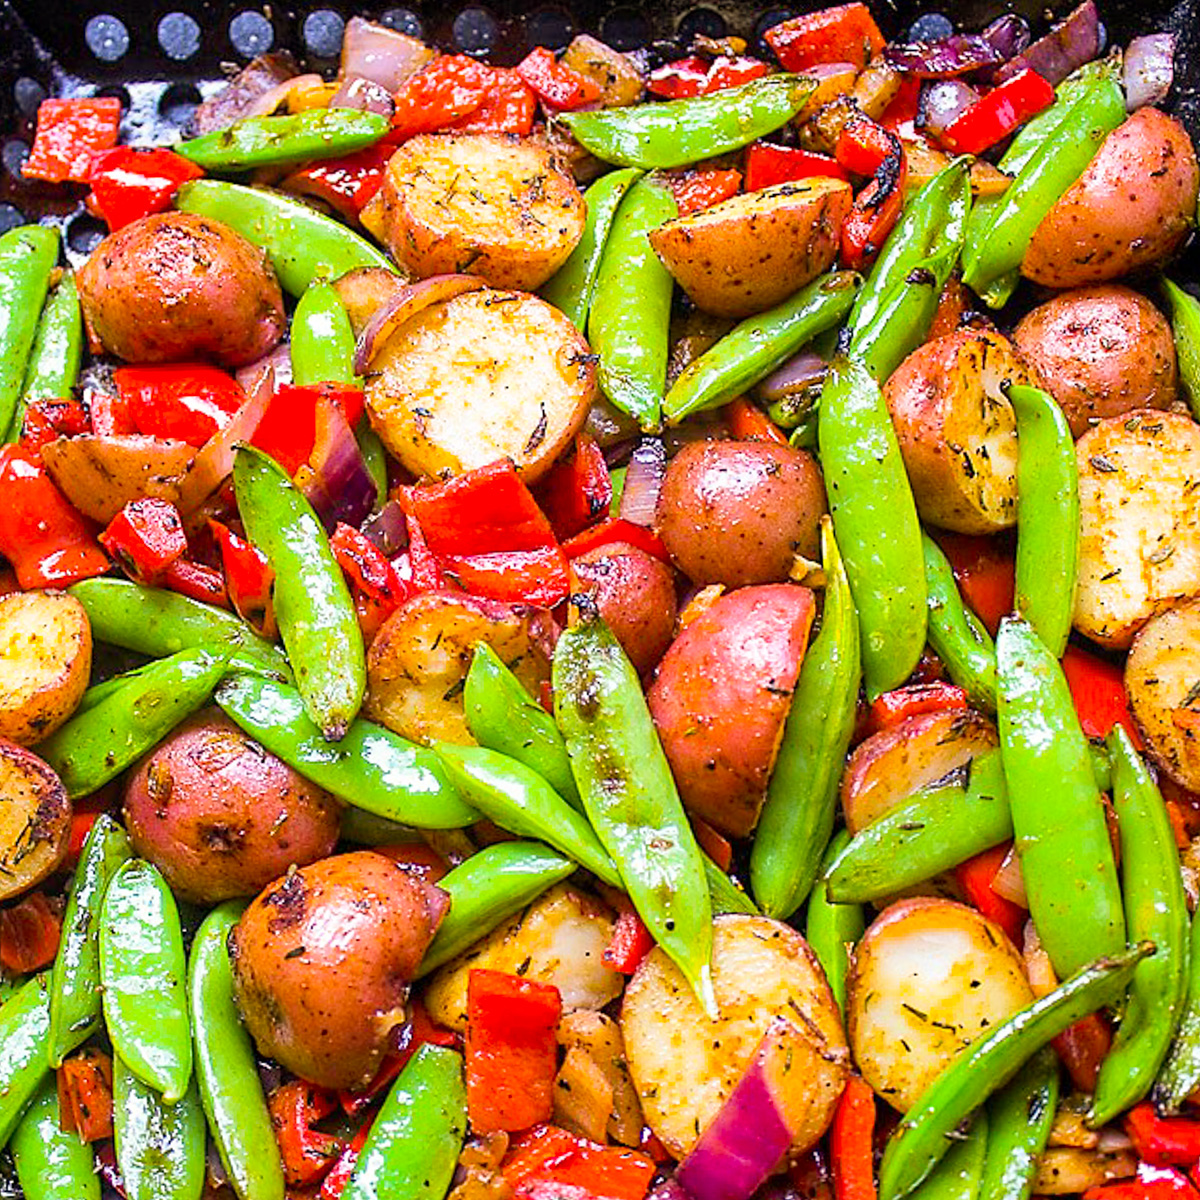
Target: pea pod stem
1020,1116
52,1164
27,257
833,929
957,635
57,351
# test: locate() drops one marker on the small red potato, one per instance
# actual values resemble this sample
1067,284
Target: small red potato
738,513
220,817
322,960
720,697
35,820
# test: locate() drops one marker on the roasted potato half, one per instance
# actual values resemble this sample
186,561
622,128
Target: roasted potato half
365,290
35,820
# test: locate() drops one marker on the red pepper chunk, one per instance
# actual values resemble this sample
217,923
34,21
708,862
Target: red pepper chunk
307,1153
576,492
994,116
727,72
448,89
509,106
1098,689
248,578
85,1097
630,942
767,165
146,537
188,402
128,184
335,1182
865,147
679,80
288,428
699,188
975,877
69,133
511,1050
29,933
617,530
556,85
196,580
547,1160
845,33
48,419
347,184
890,709
985,573
1152,1183
1163,1141
748,423
851,1142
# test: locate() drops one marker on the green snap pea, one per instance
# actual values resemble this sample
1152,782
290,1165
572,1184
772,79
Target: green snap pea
160,1147
797,817
957,635
278,140
988,1063
629,322
24,1041
1184,310
226,1069
27,256
322,338
371,768
312,602
958,1175
1180,1075
143,971
573,285
679,132
1058,816
1019,1119
301,243
99,743
56,354
1155,910
414,1144
832,929
503,716
753,349
75,980
1101,766
904,315
724,894
51,1164
630,795
875,518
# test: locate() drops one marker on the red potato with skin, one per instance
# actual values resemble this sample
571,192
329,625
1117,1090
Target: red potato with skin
720,697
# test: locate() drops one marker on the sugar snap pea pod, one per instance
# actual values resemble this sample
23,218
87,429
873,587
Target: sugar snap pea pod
754,348
1184,310
502,715
75,979
1101,766
1019,1119
832,928
957,635
231,1094
143,972
312,602
628,325
958,1175
987,1064
630,795
322,338
27,256
904,316
56,354
160,1147
24,1037
797,817
1180,1074
572,286
1061,834
725,895
680,132
301,243
371,768
875,518
414,1144
98,744
51,1164
1155,910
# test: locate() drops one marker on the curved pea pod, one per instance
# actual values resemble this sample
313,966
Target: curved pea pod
1019,1119
24,1039
312,602
226,1069
27,256
322,338
1180,1075
143,972
958,1175
75,979
957,635
51,1164
724,895
875,519
831,929
371,768
1184,310
57,351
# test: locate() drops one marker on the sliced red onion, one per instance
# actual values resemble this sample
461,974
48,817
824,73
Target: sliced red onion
1149,70
961,53
1008,882
243,95
608,425
801,373
942,102
338,486
363,94
643,482
1075,40
669,1189
403,305
388,529
277,361
382,55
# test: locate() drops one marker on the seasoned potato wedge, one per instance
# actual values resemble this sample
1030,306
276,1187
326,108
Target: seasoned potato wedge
419,659
35,820
493,205
483,376
599,1037
752,251
1067,1171
559,939
957,430
45,663
364,290
1139,521
619,80
684,1065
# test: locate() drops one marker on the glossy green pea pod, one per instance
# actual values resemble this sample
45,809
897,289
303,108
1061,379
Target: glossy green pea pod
414,1144
143,972
1184,311
875,518
832,929
160,1147
57,351
226,1068
301,243
51,1164
75,980
1180,1074
322,338
503,716
724,895
98,744
754,348
24,1042
573,285
316,615
1020,1116
27,256
797,817
957,635
371,768
679,132
958,1175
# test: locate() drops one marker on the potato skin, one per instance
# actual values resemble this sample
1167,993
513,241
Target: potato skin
221,817
1100,352
176,286
322,960
35,820
738,513
1132,208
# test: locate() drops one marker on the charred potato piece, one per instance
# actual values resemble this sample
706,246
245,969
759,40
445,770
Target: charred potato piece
1067,1171
619,80
35,820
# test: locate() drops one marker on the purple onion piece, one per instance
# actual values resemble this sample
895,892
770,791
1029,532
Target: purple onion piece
801,372
243,95
1149,70
387,529
961,53
1075,40
942,102
380,54
643,482
340,487
365,95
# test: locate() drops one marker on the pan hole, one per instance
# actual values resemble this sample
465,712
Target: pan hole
550,27
402,20
701,21
106,37
769,19
13,154
475,31
626,29
251,33
10,217
84,234
178,103
323,33
179,36
930,27
28,94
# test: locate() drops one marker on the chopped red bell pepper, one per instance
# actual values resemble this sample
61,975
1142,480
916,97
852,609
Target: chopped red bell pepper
727,71
417,568
109,413
998,113
865,147
1163,1141
975,878
617,530
679,80
44,537
196,580
557,85
888,710
69,133
1098,689
541,577
511,1050
346,184
146,537
716,845
851,1142
288,428
248,578
1152,1183
845,33
307,1153
85,1096
509,106
128,183
902,111
449,88
29,932
766,165
748,423
550,1158
372,577
952,304
84,812
698,188
48,419
985,572
576,491
186,401
1082,1047
630,942
335,1182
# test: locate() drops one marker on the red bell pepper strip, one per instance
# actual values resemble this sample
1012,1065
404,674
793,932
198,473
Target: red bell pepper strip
1163,1141
109,414
44,537
196,580
679,80
716,845
450,87
748,423
146,537
727,72
952,304
29,932
1098,689
541,577
975,877
985,572
552,1158
890,709
902,111
417,568
186,401
377,587
845,33
557,85
851,1138
85,1097
248,578
630,942
128,184
698,188
335,1182
509,106
577,491
69,133
307,1153
617,530
288,428
1152,1183
998,113
865,144
48,419
511,1050
767,165
347,184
